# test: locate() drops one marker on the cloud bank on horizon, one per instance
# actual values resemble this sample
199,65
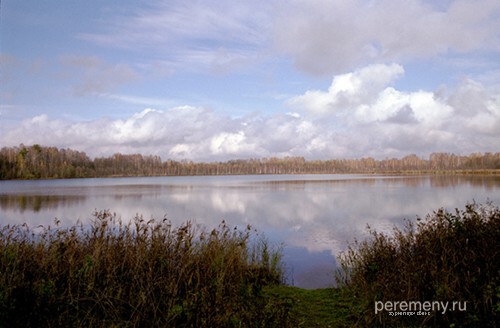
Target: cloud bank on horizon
221,80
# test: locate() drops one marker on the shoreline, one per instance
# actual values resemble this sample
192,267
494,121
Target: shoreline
461,172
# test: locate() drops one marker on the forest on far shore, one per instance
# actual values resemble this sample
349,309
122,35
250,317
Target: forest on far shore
40,162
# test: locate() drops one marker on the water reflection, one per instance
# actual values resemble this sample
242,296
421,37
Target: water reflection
314,216
37,203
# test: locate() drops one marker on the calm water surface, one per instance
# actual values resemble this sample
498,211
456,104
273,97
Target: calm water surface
313,216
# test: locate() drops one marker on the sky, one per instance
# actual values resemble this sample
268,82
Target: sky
218,80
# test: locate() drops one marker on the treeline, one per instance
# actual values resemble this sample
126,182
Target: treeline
39,162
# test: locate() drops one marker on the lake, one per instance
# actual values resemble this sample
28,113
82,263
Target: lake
313,216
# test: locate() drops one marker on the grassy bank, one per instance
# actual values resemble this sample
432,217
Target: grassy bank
146,274
318,308
142,273
448,257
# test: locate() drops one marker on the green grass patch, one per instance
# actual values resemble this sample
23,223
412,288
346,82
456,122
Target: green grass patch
326,307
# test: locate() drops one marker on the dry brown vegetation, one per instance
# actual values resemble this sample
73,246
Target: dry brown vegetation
448,256
143,273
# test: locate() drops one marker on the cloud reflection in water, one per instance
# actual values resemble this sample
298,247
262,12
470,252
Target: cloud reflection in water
314,216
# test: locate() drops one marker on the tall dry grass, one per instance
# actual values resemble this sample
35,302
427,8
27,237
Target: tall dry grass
141,273
449,256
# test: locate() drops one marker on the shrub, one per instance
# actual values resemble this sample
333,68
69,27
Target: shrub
449,256
143,273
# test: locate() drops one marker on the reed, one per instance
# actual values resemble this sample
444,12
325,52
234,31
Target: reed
448,256
140,273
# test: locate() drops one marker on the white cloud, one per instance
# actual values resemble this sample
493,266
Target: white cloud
322,37
137,100
380,119
362,114
326,37
218,35
349,89
228,143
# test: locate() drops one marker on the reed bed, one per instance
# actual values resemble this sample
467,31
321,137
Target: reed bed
448,256
140,273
